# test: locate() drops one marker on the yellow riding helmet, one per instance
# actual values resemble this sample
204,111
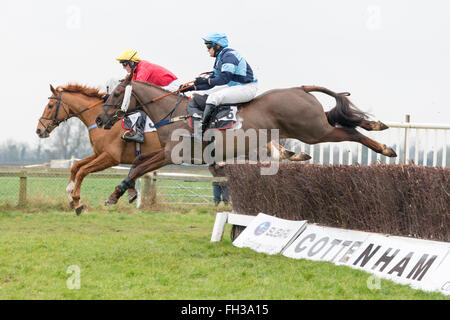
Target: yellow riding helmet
129,54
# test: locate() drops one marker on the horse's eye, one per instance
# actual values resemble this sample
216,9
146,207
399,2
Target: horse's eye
50,106
116,95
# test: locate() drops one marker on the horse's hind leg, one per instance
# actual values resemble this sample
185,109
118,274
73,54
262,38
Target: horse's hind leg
373,125
348,134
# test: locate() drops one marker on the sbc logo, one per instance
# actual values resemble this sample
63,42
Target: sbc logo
263,227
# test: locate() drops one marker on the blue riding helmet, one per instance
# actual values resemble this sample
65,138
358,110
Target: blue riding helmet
217,37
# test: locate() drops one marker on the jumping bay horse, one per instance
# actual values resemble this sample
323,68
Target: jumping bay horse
295,112
109,149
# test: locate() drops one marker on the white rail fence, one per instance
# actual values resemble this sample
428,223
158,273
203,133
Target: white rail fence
422,143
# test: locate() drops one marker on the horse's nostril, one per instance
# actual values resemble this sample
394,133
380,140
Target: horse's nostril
98,121
38,131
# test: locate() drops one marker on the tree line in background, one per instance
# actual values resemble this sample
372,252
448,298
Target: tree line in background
69,140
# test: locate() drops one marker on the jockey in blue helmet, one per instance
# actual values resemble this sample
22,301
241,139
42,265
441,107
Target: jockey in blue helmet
232,79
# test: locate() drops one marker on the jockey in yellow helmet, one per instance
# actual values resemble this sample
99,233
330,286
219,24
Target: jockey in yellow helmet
147,72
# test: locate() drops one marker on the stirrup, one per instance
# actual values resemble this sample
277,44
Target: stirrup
132,138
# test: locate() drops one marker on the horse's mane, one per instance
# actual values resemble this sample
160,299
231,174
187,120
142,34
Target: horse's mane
87,91
152,85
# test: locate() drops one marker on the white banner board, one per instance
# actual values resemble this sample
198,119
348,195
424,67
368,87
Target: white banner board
422,264
441,277
405,260
269,234
326,244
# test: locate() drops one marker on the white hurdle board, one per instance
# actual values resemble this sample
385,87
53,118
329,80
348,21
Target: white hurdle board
222,218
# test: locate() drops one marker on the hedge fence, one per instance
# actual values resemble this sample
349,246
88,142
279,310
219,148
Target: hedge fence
405,200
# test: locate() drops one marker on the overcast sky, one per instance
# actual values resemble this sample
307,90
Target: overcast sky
392,56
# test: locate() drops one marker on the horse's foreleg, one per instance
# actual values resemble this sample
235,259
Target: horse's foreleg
101,162
73,172
347,134
146,162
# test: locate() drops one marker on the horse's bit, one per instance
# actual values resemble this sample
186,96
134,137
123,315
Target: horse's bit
55,122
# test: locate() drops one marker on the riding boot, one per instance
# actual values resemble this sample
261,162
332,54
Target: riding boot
202,125
140,126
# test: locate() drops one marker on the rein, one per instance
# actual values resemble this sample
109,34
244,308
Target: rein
116,115
184,86
55,121
141,104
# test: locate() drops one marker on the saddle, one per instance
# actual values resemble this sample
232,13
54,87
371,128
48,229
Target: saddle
223,117
129,123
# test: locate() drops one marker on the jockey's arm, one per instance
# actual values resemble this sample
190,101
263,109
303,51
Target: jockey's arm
221,79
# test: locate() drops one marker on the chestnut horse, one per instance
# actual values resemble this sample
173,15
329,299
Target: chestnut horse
109,149
295,112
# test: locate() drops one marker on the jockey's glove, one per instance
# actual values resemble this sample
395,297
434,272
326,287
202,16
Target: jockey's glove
105,97
200,81
187,88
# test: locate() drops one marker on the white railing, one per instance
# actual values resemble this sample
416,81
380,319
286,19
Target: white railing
422,143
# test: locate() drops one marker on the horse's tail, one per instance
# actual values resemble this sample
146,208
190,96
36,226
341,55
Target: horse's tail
344,113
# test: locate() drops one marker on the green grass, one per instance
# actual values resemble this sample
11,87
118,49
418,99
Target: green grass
161,255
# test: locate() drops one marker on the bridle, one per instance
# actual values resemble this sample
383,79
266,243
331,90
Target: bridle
60,104
118,114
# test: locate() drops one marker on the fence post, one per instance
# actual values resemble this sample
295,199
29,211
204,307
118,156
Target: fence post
149,189
23,189
405,145
152,188
139,193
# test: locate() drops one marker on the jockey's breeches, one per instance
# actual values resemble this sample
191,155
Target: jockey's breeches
235,94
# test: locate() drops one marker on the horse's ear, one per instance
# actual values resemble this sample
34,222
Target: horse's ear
53,90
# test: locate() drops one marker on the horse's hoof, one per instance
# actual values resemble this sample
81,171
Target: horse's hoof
287,154
72,206
110,202
132,195
79,210
300,157
379,126
388,152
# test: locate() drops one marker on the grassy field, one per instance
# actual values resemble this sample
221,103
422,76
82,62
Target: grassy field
163,254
